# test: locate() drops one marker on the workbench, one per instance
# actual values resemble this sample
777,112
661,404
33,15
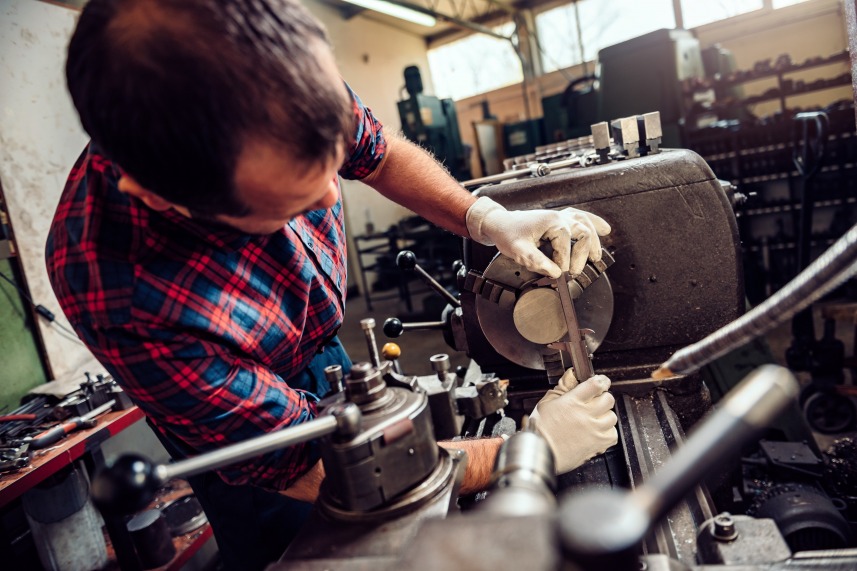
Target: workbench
86,445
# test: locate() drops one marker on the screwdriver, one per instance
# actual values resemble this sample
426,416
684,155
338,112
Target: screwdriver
53,435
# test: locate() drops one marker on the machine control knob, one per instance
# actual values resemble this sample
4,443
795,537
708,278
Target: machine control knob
393,328
406,260
391,351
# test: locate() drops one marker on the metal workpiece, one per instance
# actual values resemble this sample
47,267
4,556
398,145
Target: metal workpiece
523,480
512,320
368,326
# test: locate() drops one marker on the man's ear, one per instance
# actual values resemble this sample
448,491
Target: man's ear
130,186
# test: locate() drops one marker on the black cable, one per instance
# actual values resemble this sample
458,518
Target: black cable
42,310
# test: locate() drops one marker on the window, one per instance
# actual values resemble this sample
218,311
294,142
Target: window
696,13
557,33
783,3
474,65
603,23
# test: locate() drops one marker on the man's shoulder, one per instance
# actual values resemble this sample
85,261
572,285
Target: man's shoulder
90,246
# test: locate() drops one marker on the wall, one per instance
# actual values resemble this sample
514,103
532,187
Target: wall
372,57
814,28
40,138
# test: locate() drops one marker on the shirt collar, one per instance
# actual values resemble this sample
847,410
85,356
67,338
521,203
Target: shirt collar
219,235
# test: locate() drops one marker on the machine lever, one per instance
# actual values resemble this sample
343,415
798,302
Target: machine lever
393,327
602,528
407,260
131,482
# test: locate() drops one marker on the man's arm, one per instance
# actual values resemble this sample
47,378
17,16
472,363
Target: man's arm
409,176
481,457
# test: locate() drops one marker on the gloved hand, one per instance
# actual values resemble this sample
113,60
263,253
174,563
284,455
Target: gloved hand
576,420
517,235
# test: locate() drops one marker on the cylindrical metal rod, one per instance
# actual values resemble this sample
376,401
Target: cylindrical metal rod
435,285
833,267
746,410
368,326
296,434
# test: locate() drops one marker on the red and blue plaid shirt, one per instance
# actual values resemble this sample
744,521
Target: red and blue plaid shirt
202,325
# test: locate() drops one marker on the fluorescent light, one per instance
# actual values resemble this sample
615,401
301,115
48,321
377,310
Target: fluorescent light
397,11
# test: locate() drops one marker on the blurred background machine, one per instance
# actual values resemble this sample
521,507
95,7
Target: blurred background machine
432,123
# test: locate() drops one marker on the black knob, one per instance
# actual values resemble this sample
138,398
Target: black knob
406,260
393,327
457,266
127,486
460,372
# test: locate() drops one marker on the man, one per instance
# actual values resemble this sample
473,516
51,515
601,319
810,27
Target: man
199,251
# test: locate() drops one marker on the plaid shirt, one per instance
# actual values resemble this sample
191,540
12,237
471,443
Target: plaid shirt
202,325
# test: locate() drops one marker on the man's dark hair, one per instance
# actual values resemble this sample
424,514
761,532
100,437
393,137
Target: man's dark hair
170,89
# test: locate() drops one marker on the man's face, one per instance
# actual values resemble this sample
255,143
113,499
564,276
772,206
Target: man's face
276,187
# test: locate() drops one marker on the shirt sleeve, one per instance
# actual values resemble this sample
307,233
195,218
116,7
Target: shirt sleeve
202,397
368,147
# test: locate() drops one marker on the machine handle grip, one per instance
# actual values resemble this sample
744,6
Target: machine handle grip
393,327
602,528
407,260
131,482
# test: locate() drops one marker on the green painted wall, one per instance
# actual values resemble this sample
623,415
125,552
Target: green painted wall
20,364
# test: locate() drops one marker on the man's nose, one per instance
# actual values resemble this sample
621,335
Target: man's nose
330,198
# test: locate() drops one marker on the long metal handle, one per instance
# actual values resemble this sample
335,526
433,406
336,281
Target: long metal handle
297,434
602,528
746,410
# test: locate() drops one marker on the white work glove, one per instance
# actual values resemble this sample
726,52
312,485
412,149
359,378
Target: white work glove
517,234
577,420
